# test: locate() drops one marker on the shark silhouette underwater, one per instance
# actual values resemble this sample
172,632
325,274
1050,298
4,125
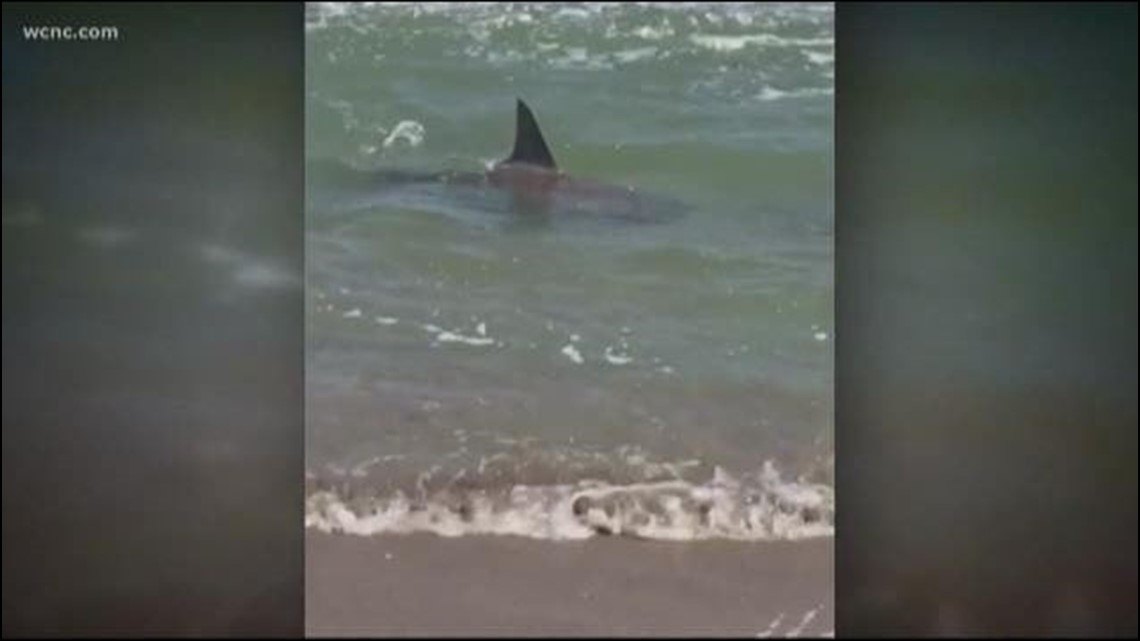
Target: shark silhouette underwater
527,183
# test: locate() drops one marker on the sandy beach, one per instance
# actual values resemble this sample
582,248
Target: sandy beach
493,586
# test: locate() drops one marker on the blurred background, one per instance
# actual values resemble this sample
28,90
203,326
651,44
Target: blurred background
986,309
152,322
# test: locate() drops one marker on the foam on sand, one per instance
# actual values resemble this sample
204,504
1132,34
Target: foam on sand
757,507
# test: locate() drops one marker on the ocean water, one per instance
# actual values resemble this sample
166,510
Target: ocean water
474,368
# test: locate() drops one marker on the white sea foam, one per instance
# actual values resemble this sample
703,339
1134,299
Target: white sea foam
793,631
633,55
616,358
799,628
659,32
484,20
736,43
773,626
323,12
572,12
572,353
480,339
758,508
820,57
768,94
454,337
580,58
407,131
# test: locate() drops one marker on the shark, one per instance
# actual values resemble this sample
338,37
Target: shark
527,183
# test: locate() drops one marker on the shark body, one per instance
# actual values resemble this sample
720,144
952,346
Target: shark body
528,182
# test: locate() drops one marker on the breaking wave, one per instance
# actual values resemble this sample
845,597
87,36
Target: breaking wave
761,506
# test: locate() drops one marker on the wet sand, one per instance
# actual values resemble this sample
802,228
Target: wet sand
494,586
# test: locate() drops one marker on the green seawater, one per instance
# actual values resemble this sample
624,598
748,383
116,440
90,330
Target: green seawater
440,332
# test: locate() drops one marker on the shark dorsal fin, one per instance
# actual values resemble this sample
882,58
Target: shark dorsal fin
530,147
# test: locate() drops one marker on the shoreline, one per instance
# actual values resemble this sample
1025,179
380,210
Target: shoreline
423,584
